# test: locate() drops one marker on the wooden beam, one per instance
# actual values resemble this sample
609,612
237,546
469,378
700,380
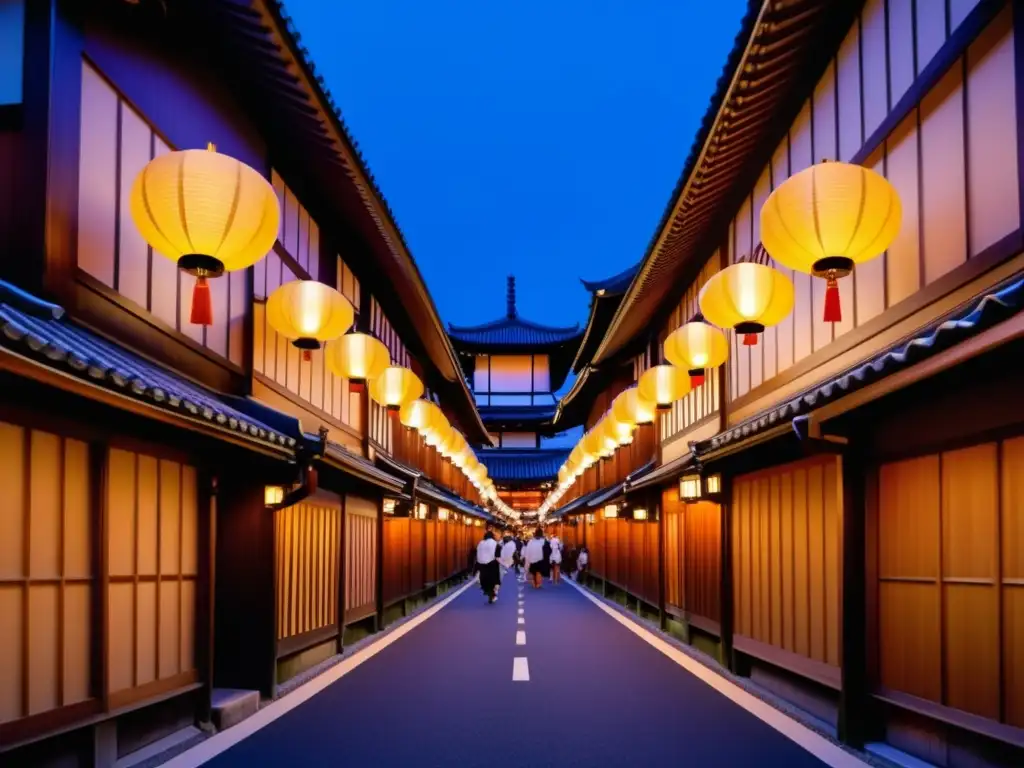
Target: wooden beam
853,695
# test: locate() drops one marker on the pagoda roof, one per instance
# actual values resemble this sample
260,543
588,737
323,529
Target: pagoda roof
535,415
614,284
512,330
523,466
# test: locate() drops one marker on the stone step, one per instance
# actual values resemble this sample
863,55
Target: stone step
231,706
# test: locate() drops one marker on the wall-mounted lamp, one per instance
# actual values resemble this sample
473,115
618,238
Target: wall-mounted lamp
590,519
478,523
442,514
422,510
713,485
389,506
639,514
272,494
689,487
611,511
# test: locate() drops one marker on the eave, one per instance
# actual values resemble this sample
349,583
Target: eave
260,43
778,57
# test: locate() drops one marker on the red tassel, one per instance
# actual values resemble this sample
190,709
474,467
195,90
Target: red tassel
202,303
696,379
750,340
307,355
833,313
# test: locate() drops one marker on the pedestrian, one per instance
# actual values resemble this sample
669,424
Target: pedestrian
556,558
534,552
581,562
487,552
508,556
569,562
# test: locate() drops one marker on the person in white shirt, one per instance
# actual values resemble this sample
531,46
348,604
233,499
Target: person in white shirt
508,555
487,565
556,559
535,556
581,562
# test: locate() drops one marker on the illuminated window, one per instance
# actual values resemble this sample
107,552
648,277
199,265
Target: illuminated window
689,487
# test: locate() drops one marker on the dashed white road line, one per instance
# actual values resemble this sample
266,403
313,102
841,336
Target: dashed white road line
520,611
520,637
520,670
521,620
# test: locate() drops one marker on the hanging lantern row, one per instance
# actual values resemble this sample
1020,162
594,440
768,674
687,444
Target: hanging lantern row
433,426
822,221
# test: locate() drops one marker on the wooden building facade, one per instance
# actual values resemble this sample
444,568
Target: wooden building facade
193,507
854,541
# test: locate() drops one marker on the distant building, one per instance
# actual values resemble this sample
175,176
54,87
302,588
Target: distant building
514,367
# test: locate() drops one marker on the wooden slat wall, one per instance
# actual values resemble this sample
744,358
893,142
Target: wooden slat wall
46,578
397,558
692,555
703,401
298,233
430,565
381,427
951,579
278,360
360,556
417,554
953,161
306,572
786,547
152,550
116,144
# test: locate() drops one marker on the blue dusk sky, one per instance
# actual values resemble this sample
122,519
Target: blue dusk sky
540,138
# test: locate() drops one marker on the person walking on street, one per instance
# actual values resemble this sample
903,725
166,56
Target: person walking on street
534,552
487,552
508,555
556,559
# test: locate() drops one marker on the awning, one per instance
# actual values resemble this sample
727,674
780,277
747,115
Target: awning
662,474
426,489
361,468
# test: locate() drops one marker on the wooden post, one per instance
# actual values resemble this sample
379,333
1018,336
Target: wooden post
853,697
725,597
661,558
380,562
342,542
206,591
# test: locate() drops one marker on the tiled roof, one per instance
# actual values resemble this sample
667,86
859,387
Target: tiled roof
978,315
526,465
440,496
40,331
578,503
614,284
363,468
512,413
512,332
664,472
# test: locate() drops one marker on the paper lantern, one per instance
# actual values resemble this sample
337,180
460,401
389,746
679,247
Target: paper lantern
357,357
415,415
395,387
438,429
206,211
696,346
618,431
629,407
748,297
663,385
828,218
307,312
